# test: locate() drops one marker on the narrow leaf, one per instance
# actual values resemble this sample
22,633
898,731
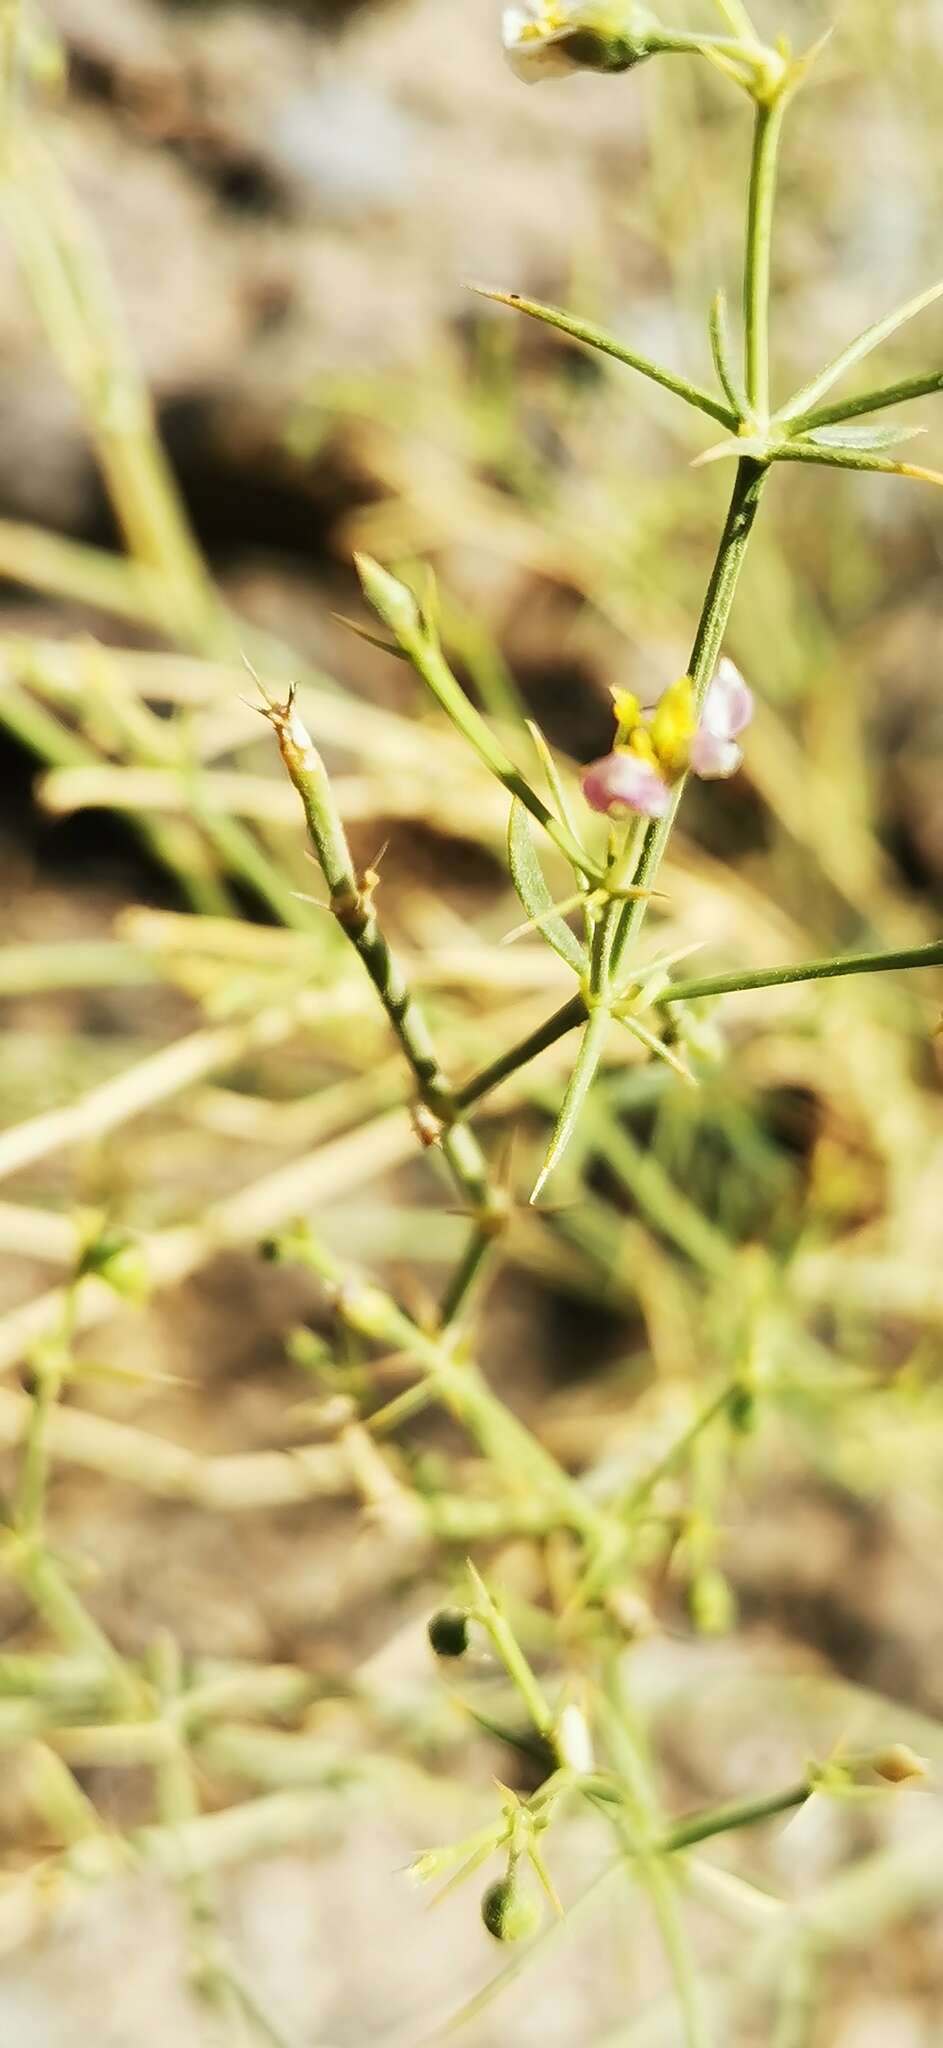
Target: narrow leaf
753,446
592,1045
808,970
555,780
721,351
862,346
596,337
859,440
853,458
528,879
658,1049
372,639
922,386
736,17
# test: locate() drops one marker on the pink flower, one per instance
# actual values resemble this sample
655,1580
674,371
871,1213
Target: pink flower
624,782
728,708
660,740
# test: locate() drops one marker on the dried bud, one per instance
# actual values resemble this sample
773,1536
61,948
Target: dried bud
448,1632
509,1912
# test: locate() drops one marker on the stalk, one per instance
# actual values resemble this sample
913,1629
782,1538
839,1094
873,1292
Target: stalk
708,640
757,267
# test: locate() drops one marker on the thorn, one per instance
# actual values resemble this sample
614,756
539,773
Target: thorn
487,291
315,901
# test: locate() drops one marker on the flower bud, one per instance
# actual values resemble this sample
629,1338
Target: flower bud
392,601
548,38
448,1632
509,1912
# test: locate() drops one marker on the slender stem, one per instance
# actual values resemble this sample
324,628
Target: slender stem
506,1646
702,1827
737,19
756,277
504,1441
520,1055
462,1281
809,970
708,641
352,904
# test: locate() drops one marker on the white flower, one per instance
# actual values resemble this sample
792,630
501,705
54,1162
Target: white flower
535,38
548,38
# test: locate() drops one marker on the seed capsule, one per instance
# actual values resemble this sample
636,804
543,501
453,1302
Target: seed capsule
509,1913
448,1632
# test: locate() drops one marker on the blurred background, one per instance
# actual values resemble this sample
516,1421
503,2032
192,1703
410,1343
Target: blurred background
285,205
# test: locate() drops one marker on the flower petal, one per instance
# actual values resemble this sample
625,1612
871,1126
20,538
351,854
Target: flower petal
714,758
624,782
728,707
534,47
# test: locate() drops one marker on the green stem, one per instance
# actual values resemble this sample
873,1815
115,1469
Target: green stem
520,1055
503,1441
507,1648
756,278
702,1827
462,1281
809,970
352,904
708,641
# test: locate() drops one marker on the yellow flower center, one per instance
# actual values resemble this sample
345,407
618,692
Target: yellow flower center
552,20
665,738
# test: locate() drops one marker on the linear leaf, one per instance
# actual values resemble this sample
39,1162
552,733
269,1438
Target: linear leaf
862,345
753,446
808,970
596,337
528,879
853,458
658,1049
924,385
861,439
581,1080
721,351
